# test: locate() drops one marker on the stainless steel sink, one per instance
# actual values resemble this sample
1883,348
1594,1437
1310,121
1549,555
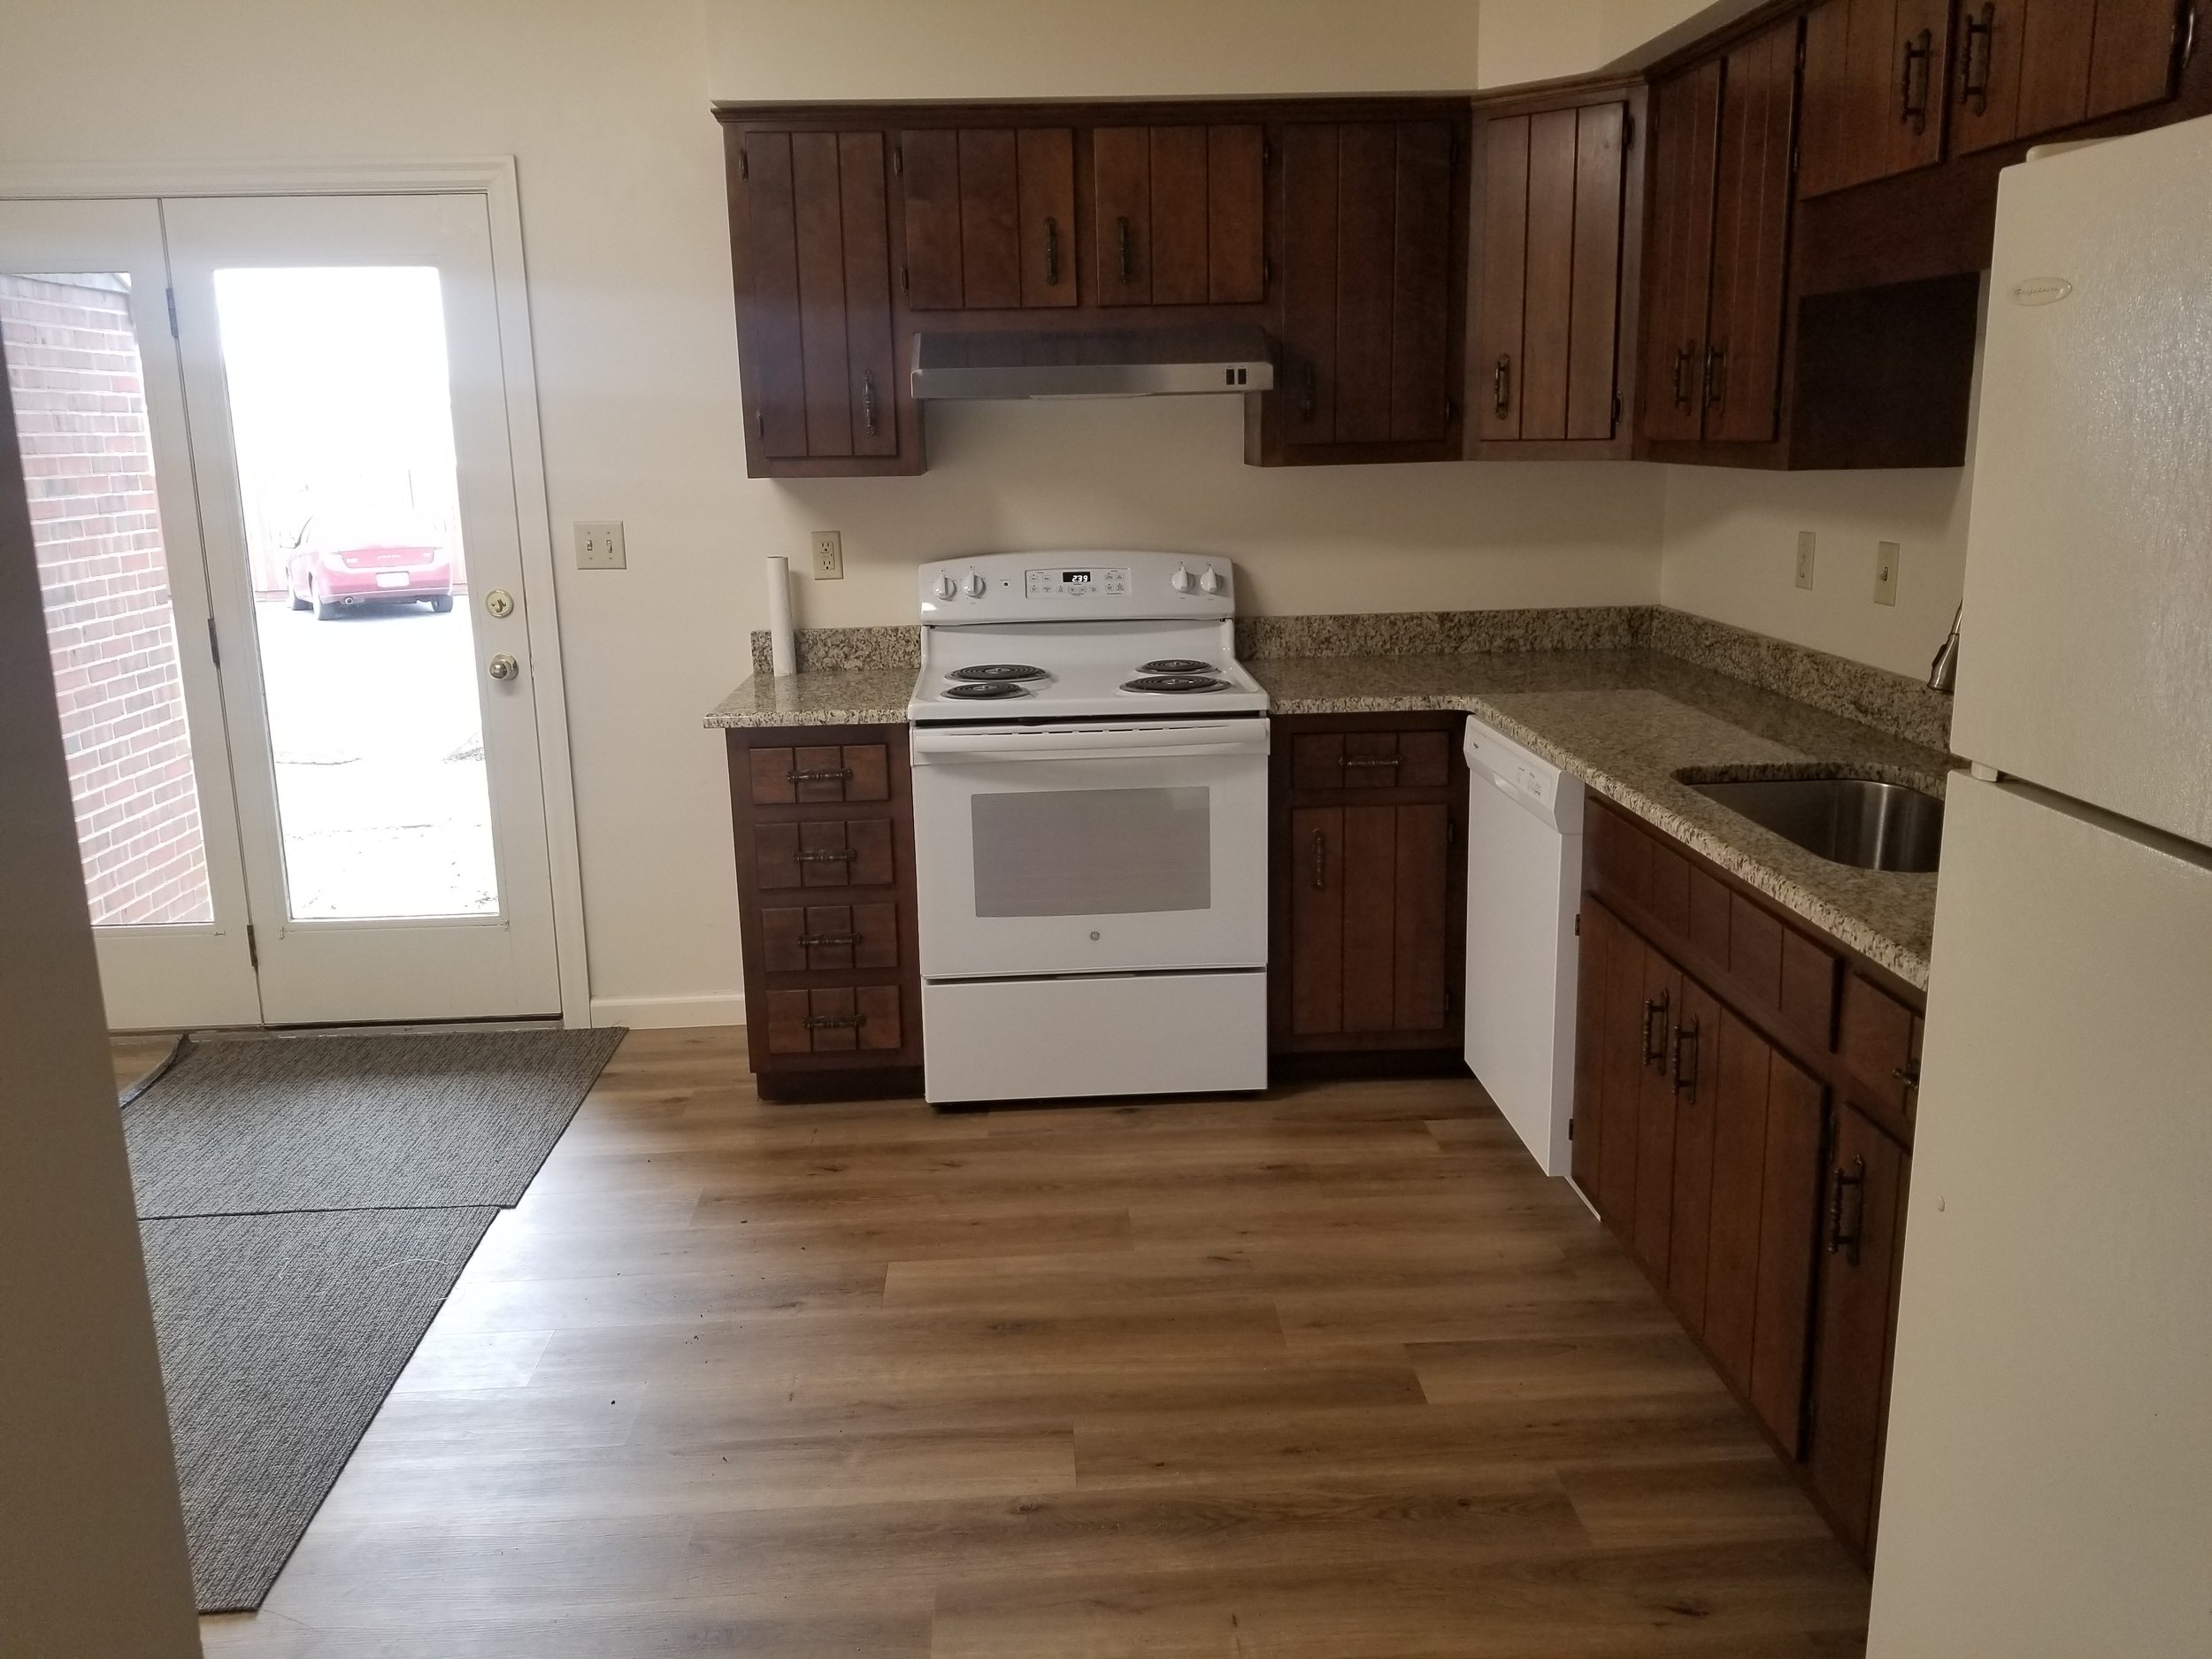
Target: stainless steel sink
1850,820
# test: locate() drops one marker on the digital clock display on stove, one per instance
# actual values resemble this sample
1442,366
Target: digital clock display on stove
1055,583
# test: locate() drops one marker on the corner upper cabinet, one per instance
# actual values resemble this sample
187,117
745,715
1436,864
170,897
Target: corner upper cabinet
988,216
811,254
2026,67
1558,203
1374,223
1178,215
1715,318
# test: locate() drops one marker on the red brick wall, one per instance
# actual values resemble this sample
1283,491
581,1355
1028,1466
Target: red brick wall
81,411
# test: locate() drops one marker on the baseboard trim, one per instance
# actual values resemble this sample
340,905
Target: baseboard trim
668,1013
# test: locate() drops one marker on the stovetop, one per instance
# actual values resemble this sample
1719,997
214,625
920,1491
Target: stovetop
1022,637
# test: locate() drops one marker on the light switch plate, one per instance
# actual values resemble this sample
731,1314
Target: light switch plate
599,545
827,550
1805,542
1886,573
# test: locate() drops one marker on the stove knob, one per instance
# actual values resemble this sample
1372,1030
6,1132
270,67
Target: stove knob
1180,582
944,588
977,586
1209,582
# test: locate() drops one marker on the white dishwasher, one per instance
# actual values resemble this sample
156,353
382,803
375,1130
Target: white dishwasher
1524,886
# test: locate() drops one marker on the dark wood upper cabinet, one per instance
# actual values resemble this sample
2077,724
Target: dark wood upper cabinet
2027,68
1554,200
1177,215
1877,74
1720,245
1374,240
811,252
989,218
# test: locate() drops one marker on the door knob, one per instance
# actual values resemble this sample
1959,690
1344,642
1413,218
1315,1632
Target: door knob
505,667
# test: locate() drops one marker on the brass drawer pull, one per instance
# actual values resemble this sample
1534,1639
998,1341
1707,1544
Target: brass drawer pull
1655,1021
1501,387
843,856
834,1022
1349,761
841,774
1912,110
1052,253
1686,1047
1847,1244
1320,862
809,941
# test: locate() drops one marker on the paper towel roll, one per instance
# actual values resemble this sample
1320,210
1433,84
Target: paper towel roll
783,650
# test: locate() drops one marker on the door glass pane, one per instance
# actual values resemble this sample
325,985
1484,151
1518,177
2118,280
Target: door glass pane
73,376
1091,852
342,423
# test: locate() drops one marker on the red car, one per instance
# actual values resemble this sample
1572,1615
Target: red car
343,564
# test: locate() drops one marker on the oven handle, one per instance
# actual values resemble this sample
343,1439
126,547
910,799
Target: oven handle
944,745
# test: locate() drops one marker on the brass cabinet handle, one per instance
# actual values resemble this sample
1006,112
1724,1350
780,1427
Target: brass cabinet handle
834,1022
1682,361
1685,1044
1919,55
868,400
1349,761
1121,239
1655,1020
843,856
1320,862
839,774
1841,1182
1972,92
1052,253
808,942
1501,384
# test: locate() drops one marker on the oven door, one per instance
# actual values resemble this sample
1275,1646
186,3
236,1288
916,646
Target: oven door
1091,849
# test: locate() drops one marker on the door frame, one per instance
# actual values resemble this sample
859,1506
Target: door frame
494,177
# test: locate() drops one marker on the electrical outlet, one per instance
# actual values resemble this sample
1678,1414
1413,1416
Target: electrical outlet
1886,573
829,556
599,545
1805,541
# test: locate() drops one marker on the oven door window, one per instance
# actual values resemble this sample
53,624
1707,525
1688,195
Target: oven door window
1091,852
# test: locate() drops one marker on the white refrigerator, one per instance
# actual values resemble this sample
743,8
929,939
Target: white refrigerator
2048,1482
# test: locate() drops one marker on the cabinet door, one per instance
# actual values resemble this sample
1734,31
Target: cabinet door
815,297
2132,55
1548,323
1176,215
1865,1202
1368,902
1740,377
989,214
1368,219
1876,75
1693,1069
2023,69
1686,123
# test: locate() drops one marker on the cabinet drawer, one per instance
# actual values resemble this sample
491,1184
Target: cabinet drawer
826,853
1370,760
818,937
848,1020
1880,1044
848,771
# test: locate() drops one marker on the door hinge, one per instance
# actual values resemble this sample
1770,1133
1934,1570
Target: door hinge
214,645
1267,271
171,294
1617,410
898,160
744,164
906,282
1267,153
1571,1128
253,948
1451,834
1628,129
1451,411
1577,924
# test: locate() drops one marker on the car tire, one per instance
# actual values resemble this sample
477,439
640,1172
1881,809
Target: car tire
299,603
441,602
326,610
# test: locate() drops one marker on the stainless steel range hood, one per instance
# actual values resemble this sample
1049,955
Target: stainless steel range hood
1148,363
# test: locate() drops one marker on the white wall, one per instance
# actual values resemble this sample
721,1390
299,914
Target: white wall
605,108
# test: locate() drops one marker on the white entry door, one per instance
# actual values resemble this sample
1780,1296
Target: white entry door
324,401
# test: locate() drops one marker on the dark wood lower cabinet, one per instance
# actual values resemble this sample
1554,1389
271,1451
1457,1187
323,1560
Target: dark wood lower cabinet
1722,1057
1368,942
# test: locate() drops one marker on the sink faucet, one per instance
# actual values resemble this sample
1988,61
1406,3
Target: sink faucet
1943,674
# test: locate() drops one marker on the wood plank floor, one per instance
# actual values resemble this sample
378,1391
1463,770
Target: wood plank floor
1328,1374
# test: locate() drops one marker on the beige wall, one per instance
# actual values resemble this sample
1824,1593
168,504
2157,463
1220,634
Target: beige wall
92,1557
1543,40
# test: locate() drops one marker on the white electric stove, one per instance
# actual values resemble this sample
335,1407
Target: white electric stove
1090,825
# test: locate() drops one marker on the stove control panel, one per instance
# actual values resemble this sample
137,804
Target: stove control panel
1073,587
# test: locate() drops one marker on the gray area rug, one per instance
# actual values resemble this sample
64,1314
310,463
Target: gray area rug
254,1126
306,1204
280,1335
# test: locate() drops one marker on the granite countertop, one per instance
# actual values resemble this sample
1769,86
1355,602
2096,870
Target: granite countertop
1626,722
